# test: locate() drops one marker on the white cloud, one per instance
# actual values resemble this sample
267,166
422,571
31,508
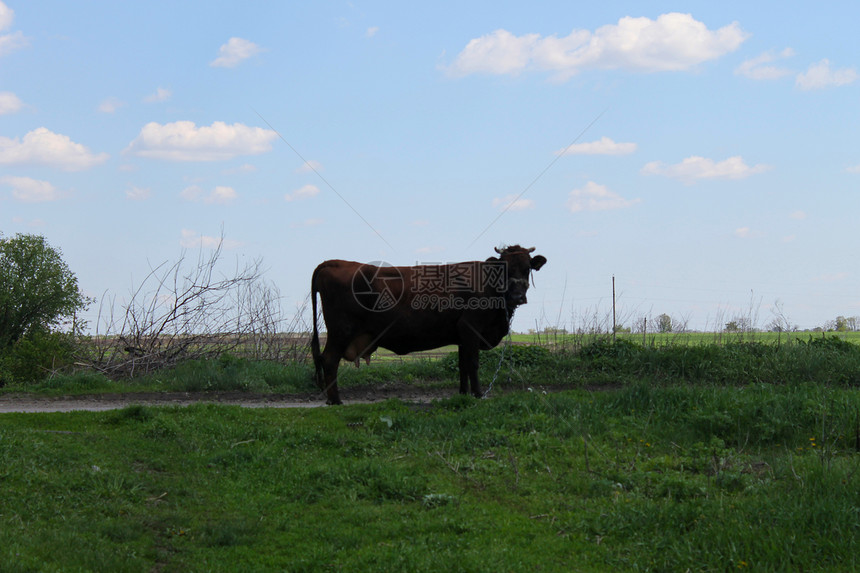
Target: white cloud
221,195
371,32
42,146
603,146
672,42
9,103
302,193
695,167
7,16
192,193
234,52
9,42
743,233
498,53
184,141
192,240
110,105
28,190
798,215
138,193
595,197
160,95
310,166
512,203
820,76
758,69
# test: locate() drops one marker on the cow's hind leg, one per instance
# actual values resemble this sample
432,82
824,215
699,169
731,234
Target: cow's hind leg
330,361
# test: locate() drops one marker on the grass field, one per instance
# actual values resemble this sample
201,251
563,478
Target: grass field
829,359
659,457
761,478
682,338
574,342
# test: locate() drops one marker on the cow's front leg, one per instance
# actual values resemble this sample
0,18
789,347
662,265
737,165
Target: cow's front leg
468,362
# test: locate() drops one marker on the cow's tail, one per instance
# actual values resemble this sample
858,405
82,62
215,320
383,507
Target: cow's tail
315,339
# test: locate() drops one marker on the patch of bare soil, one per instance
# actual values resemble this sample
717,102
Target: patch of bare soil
99,402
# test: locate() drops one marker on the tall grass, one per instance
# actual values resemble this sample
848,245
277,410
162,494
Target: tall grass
821,360
826,360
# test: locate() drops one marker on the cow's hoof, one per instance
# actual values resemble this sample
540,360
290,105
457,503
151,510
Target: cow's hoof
335,402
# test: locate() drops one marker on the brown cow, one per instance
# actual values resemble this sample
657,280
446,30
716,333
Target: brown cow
406,309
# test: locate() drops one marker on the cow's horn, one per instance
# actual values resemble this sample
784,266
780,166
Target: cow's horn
497,250
531,250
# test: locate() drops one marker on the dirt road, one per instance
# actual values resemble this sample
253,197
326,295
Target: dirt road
100,402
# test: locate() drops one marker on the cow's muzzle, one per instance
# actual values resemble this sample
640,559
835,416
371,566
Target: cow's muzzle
518,299
517,291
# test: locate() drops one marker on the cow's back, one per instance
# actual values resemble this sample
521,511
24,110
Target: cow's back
408,309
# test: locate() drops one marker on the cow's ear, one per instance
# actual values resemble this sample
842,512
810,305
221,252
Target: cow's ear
538,262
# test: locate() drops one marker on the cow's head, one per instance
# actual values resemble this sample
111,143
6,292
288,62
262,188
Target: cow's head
518,265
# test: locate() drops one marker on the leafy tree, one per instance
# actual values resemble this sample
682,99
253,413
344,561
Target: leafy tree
739,324
38,291
664,323
842,324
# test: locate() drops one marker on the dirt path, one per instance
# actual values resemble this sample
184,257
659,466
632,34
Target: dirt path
99,402
415,394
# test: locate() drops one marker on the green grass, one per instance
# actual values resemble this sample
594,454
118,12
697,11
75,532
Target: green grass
227,373
828,360
575,341
668,478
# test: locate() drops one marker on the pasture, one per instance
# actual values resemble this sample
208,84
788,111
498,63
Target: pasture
613,457
561,341
677,478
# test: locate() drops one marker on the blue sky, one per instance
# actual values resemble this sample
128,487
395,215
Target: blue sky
705,154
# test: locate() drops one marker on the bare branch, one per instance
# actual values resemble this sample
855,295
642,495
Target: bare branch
185,311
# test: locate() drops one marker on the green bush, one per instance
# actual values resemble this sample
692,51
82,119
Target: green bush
832,343
515,355
34,357
38,291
